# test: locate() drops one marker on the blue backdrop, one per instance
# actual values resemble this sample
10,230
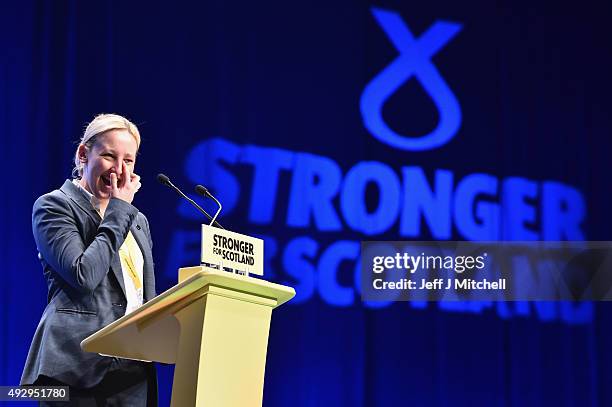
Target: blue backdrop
321,124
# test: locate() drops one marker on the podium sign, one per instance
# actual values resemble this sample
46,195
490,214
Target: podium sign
232,250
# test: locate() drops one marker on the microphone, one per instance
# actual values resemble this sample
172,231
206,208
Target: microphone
202,190
164,180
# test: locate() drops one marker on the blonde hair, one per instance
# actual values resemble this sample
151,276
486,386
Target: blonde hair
99,125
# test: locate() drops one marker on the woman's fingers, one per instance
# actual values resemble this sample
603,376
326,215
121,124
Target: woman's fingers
113,179
125,169
128,185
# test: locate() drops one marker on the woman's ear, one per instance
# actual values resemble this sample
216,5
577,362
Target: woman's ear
82,153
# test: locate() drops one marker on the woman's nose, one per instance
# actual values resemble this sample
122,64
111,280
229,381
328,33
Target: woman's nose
118,169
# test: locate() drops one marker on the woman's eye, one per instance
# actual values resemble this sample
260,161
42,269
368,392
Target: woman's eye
128,162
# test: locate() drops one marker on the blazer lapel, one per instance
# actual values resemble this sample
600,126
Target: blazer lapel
118,271
72,191
143,243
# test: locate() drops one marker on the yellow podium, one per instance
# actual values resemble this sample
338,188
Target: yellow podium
213,325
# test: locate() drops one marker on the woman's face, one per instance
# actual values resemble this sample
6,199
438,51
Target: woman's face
106,156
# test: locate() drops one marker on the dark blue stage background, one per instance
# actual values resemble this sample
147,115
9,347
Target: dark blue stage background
321,124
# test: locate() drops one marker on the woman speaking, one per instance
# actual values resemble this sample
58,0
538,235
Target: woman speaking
95,250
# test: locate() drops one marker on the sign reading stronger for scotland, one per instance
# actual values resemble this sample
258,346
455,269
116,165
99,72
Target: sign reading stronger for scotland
232,250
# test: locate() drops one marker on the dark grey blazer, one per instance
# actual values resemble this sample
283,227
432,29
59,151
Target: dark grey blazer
79,254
